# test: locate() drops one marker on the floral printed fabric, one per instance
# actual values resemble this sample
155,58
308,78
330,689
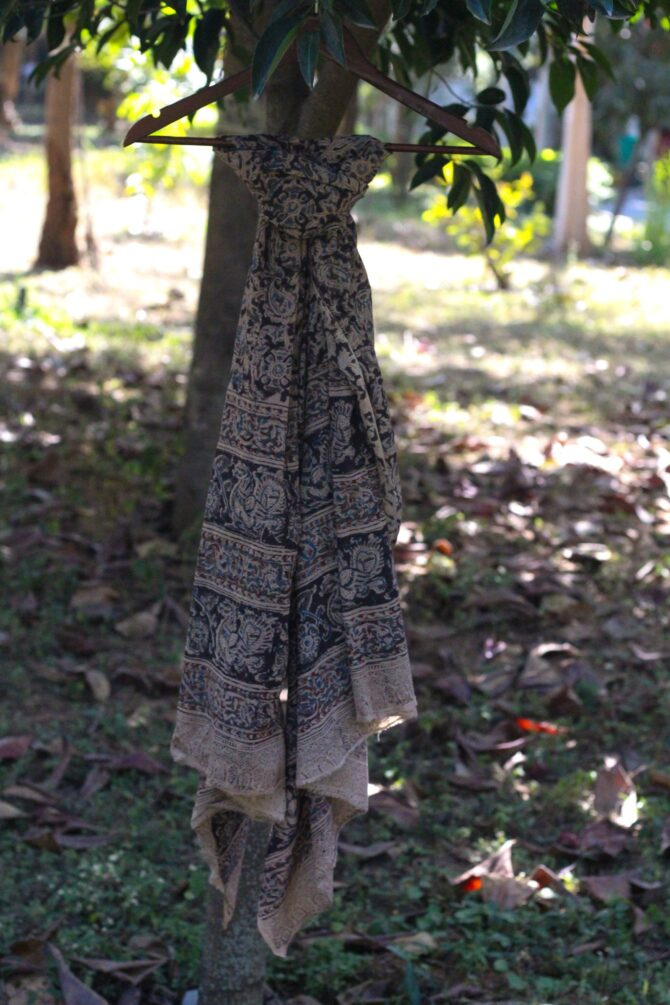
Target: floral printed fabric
294,588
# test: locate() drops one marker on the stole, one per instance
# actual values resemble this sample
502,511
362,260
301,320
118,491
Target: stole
295,647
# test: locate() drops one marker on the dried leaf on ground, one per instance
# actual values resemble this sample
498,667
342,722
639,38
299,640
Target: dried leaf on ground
132,971
665,837
95,780
545,666
609,887
94,598
498,864
141,625
507,892
9,811
601,837
32,989
415,944
13,747
615,795
396,807
30,791
366,852
98,683
137,761
75,992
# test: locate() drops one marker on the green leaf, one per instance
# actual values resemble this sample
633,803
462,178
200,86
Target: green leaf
517,78
206,40
491,96
358,12
400,8
599,57
269,50
55,31
282,9
528,140
331,33
427,7
562,82
431,167
308,54
509,122
490,204
460,187
481,9
588,71
571,10
604,6
520,24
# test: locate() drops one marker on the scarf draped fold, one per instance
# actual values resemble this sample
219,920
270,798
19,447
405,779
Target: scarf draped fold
295,649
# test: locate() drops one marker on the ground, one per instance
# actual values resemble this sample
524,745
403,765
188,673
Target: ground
515,847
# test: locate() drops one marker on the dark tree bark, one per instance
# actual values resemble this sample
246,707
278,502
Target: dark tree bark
234,958
58,246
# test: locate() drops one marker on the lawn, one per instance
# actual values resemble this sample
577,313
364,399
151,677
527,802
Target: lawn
516,846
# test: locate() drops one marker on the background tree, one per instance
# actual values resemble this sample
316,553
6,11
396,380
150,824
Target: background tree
58,242
11,57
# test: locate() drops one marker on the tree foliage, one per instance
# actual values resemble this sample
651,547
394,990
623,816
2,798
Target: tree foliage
505,38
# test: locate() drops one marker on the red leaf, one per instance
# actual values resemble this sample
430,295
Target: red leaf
533,726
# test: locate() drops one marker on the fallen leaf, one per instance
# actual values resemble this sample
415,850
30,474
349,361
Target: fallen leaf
665,837
544,876
498,864
137,761
660,778
366,852
94,598
415,944
615,795
132,971
506,892
98,683
10,812
95,780
605,888
394,806
454,686
13,747
641,923
601,837
141,625
75,992
156,546
423,671
32,989
544,666
28,790
535,726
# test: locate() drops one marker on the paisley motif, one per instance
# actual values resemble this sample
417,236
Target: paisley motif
294,589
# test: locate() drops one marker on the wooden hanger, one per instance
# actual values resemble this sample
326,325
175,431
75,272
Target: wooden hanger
357,63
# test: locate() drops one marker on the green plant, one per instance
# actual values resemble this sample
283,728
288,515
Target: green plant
522,231
654,248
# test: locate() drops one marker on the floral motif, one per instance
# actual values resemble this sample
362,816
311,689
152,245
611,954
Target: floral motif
294,584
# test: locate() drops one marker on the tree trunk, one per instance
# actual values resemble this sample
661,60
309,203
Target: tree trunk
233,959
11,56
58,247
570,231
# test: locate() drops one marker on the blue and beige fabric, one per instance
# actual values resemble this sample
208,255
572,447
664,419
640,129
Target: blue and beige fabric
295,592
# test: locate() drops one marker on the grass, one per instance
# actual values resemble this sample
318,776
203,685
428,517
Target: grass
532,427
